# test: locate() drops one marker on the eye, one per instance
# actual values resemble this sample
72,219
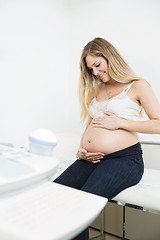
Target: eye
98,65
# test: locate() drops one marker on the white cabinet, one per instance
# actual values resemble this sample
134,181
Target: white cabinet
139,225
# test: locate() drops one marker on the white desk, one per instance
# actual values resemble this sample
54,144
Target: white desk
49,211
33,208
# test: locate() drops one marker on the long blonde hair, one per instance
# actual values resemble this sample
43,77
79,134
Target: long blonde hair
118,70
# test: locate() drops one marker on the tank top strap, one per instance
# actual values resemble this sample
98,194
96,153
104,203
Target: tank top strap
128,87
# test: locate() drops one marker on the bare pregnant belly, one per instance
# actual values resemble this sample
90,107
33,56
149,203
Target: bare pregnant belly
107,141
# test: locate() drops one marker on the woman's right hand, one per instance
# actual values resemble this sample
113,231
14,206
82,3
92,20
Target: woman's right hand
88,156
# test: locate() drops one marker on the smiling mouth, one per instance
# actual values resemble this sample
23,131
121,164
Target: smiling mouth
101,75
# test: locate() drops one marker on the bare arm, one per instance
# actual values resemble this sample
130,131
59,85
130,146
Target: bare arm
148,126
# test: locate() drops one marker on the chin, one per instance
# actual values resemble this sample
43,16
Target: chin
105,80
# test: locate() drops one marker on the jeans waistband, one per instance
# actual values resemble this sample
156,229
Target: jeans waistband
134,148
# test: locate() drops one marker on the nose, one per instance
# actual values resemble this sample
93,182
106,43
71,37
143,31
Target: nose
95,71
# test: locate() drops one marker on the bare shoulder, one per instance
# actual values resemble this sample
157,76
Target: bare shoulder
145,95
142,91
147,99
141,84
142,87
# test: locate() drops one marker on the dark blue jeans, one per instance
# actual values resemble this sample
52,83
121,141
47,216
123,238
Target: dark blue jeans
116,172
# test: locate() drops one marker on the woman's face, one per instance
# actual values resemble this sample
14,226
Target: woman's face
98,67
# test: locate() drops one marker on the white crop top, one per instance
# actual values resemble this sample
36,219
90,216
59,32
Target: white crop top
121,105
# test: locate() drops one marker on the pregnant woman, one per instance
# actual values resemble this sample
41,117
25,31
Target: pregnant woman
112,98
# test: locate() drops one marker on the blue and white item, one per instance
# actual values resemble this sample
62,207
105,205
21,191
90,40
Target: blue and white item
42,142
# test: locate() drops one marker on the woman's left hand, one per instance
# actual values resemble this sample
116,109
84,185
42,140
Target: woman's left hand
110,121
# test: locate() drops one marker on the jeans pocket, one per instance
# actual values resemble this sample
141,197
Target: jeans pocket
137,158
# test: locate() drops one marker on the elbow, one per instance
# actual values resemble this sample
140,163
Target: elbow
157,125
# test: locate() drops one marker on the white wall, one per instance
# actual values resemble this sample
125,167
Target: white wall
34,67
40,47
